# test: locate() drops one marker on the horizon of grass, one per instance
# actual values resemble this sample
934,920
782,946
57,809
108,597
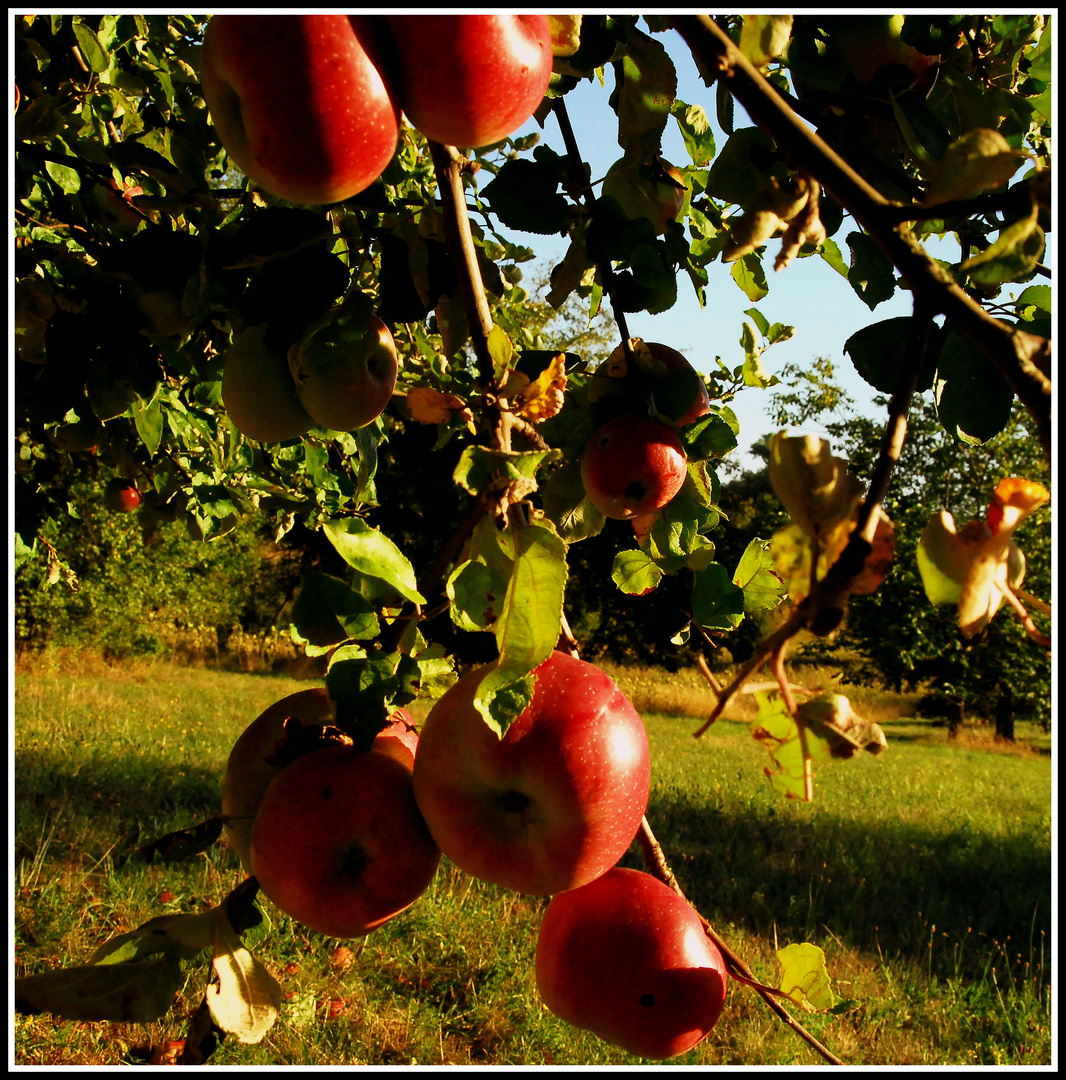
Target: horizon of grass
924,875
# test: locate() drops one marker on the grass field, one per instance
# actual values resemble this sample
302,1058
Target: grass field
924,874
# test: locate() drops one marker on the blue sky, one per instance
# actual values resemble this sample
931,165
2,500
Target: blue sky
808,295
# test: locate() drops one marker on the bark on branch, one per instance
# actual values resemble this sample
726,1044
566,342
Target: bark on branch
1022,358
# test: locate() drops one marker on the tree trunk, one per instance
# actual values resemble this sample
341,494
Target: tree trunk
956,714
1005,715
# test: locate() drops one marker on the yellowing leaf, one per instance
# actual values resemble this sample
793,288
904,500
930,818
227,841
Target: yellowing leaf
974,566
565,34
247,998
979,160
815,487
804,977
429,406
543,397
764,37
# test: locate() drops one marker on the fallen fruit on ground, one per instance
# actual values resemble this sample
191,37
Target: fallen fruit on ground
338,842
300,102
626,958
632,465
553,803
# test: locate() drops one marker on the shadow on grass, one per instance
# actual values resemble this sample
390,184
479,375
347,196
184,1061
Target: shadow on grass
895,889
129,799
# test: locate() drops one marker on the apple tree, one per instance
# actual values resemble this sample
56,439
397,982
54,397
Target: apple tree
204,275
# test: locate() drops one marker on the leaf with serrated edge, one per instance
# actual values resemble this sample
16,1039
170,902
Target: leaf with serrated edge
372,553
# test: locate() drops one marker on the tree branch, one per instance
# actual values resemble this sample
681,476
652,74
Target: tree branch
1017,354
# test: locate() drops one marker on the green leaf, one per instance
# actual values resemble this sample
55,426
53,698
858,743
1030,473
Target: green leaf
477,587
696,131
978,161
635,573
763,37
568,507
372,553
525,196
647,88
709,436
1015,253
831,254
477,464
148,419
527,630
734,175
717,604
762,588
871,273
804,977
138,992
973,400
95,54
66,177
879,353
328,610
749,274
176,937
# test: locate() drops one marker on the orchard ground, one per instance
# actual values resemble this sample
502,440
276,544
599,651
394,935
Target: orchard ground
924,874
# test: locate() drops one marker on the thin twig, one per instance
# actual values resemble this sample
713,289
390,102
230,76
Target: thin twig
656,863
1020,357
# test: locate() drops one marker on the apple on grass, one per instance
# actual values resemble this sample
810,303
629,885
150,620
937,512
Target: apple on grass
627,958
469,80
345,369
338,842
553,803
300,102
632,466
266,746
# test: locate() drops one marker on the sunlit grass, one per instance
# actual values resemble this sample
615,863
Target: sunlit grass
924,874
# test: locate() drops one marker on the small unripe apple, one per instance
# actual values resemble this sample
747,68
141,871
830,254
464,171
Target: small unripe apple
300,102
122,496
627,958
470,80
345,370
258,390
632,466
339,844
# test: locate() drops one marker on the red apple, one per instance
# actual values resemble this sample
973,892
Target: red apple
553,803
399,739
338,842
650,363
254,761
122,496
300,102
345,371
470,80
626,958
632,466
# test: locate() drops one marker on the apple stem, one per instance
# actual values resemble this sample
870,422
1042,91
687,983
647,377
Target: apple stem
577,181
446,162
